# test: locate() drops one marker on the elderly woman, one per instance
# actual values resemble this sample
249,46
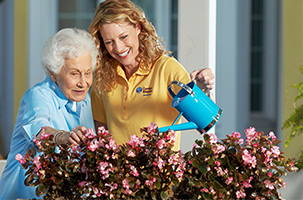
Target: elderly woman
133,72
61,104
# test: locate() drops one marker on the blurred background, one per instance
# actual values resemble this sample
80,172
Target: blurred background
254,47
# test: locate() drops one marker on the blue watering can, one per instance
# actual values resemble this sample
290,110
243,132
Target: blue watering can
199,110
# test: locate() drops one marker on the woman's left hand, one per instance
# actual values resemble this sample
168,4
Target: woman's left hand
205,79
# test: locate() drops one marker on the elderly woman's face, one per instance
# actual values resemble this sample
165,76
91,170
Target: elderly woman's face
75,77
122,42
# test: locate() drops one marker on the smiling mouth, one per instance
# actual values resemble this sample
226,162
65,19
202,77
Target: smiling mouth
79,91
123,54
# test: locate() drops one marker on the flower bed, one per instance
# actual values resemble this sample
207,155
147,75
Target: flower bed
148,168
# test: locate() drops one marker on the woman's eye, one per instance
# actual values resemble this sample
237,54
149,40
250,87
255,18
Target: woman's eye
108,42
123,37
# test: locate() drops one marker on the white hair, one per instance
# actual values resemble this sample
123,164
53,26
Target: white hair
67,44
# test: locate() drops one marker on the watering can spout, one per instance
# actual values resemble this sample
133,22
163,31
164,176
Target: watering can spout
199,110
179,127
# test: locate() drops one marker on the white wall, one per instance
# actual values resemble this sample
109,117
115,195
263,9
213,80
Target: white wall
196,45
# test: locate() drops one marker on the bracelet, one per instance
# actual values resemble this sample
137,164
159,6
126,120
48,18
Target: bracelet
54,139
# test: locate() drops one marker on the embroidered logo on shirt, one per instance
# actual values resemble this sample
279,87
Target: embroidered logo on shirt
147,91
144,90
139,90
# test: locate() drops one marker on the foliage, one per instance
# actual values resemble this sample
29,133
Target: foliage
148,168
143,168
230,170
295,120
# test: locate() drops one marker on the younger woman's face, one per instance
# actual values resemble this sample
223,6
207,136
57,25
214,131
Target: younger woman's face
122,42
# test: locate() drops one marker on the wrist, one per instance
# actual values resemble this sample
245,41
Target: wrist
55,136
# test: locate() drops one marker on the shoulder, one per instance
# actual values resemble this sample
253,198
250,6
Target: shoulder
39,94
169,65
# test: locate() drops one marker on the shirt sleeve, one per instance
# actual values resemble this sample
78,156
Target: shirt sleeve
97,106
34,112
174,71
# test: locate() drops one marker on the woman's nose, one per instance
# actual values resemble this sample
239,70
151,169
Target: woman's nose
119,46
82,82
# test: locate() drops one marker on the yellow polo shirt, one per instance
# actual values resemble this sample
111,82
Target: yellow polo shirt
142,99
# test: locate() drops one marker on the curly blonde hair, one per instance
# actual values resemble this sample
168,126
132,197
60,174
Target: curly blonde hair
151,46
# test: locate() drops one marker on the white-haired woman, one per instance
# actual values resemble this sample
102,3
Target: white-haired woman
60,104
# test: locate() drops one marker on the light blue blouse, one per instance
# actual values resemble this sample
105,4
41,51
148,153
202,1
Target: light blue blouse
42,105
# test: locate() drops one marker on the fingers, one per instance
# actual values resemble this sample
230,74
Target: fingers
194,74
205,78
77,135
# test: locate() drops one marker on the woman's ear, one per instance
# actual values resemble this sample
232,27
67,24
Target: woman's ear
138,28
52,76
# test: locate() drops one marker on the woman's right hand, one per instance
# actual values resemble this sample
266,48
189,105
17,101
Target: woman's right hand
75,136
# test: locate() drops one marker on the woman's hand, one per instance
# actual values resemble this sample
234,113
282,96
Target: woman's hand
204,78
75,136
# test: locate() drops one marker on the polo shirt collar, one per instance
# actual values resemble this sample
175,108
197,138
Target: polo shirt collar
142,70
62,100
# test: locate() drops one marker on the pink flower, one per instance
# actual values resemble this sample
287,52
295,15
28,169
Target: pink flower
179,174
173,136
272,135
213,138
204,190
275,150
135,141
130,153
284,184
44,136
240,194
247,184
236,135
229,180
152,128
20,158
269,185
93,145
218,148
81,184
248,159
173,159
90,133
161,144
250,134
111,145
102,166
151,181
241,141
160,162
36,162
134,171
125,183
217,163
96,192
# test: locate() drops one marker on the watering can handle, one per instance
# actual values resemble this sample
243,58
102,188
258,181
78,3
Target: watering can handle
180,84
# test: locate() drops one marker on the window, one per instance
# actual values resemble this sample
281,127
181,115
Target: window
76,13
162,14
264,64
256,64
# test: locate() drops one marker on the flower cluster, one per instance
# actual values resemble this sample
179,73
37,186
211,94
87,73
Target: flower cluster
234,169
145,167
